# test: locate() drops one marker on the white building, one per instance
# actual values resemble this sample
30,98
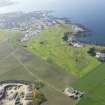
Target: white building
76,44
75,94
69,92
100,55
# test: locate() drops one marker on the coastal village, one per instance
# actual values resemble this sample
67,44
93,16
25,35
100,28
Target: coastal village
30,24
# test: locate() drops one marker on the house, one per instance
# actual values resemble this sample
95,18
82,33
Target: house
100,56
73,42
69,92
76,44
73,93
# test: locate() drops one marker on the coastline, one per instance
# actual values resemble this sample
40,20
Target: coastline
83,33
48,19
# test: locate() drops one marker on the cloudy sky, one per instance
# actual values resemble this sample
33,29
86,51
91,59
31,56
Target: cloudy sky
23,5
29,5
4,3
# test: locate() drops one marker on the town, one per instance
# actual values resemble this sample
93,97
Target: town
32,23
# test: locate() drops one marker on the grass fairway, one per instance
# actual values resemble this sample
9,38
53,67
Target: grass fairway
3,35
18,64
50,46
94,85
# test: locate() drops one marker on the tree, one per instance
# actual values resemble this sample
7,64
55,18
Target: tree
92,51
39,98
66,36
38,85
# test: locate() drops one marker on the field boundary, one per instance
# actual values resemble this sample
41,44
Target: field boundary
36,77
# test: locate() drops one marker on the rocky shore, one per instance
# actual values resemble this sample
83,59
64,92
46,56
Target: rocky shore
32,23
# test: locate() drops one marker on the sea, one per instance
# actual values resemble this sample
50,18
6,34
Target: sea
90,13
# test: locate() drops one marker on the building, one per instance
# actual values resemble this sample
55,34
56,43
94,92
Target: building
76,44
73,93
100,56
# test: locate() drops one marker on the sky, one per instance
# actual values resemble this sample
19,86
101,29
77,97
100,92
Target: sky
21,5
4,3
88,12
29,5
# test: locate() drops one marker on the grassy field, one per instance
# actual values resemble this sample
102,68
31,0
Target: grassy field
18,64
94,86
3,35
50,46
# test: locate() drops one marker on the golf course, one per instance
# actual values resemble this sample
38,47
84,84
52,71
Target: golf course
16,63
49,59
52,48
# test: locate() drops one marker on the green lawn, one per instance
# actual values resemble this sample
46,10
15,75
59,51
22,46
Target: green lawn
3,34
16,63
94,86
50,46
